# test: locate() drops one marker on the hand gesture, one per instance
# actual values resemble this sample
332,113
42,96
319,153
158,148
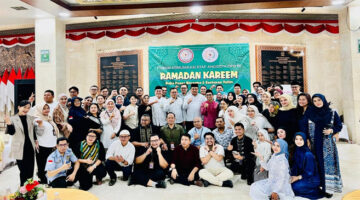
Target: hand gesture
191,177
165,147
196,136
230,147
206,105
156,101
274,196
145,144
147,108
206,148
121,159
214,148
32,98
65,166
89,161
7,120
189,100
253,123
172,101
327,131
39,121
231,122
71,177
148,151
113,135
254,144
114,93
90,169
174,174
158,150
69,127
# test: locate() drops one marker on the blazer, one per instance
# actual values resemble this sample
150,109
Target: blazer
18,139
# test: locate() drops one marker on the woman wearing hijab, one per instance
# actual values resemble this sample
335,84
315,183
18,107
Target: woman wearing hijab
91,154
262,146
24,141
252,100
271,112
266,100
287,118
60,116
233,116
47,133
277,186
119,100
321,123
92,121
257,122
240,104
144,107
75,118
305,179
111,120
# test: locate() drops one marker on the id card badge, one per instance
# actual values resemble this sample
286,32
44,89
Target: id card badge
67,159
151,165
172,146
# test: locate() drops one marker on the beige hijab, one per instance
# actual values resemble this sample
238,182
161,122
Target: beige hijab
290,105
38,114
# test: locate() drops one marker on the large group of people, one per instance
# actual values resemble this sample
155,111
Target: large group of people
281,144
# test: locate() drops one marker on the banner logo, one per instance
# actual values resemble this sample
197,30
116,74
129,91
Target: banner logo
210,54
186,55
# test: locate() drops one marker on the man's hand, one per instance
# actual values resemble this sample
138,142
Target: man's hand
174,174
90,169
191,177
71,177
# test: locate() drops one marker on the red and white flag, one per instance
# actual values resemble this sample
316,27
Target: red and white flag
31,74
10,88
18,75
3,91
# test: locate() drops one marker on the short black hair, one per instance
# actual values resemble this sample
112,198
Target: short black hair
256,82
209,91
99,96
24,103
103,88
220,118
62,139
173,89
49,91
88,97
145,115
74,88
154,134
280,86
237,84
158,87
239,124
186,135
219,85
209,133
167,114
295,83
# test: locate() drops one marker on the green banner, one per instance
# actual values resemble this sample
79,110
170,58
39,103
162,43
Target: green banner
207,65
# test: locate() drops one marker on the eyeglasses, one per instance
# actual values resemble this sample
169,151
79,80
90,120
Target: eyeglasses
154,140
124,137
92,136
63,145
251,111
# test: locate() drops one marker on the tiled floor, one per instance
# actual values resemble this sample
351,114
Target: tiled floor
349,161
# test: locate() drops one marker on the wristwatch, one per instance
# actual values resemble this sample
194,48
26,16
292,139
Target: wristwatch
300,177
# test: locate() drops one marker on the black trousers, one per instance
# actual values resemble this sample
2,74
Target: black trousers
61,182
41,159
26,167
85,178
246,168
182,177
142,176
189,125
112,166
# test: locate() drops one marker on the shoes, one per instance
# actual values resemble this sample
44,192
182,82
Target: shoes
328,195
171,181
227,183
198,183
250,181
206,183
112,182
243,177
161,184
98,182
130,181
124,178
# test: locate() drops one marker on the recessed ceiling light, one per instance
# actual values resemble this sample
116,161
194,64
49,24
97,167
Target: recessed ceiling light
19,8
196,9
337,2
64,14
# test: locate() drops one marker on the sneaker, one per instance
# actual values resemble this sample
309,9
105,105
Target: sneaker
112,182
171,181
250,181
227,183
198,183
161,184
328,195
206,183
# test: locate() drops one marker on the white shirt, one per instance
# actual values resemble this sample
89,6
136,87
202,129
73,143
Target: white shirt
175,108
133,120
117,149
45,134
193,108
158,113
212,162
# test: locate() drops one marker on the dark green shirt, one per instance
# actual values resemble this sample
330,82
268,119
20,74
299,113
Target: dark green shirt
171,135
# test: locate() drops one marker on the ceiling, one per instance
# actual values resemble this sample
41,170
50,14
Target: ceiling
37,9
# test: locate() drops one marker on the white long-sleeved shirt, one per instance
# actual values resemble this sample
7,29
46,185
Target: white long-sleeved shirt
117,149
158,113
193,108
176,108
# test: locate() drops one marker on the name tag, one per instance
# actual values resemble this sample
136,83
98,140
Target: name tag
172,146
151,165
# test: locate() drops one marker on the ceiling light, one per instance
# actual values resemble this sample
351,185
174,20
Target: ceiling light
196,9
64,14
19,8
337,2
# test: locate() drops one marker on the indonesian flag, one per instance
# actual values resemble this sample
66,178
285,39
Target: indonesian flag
18,75
3,91
26,73
10,87
31,74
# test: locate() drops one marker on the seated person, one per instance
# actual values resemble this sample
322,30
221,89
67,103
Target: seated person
185,163
223,136
91,154
212,158
277,186
58,165
170,135
197,132
120,157
150,165
140,137
305,179
243,160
